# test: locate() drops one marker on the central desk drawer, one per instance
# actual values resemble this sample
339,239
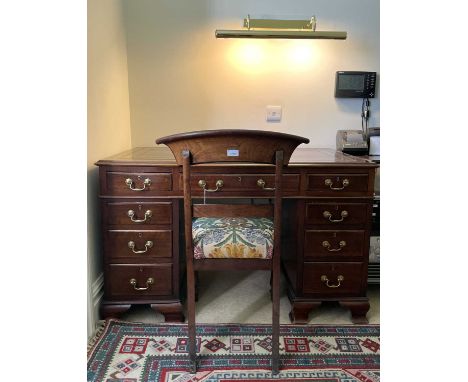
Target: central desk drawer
334,244
138,214
138,245
134,281
337,214
251,183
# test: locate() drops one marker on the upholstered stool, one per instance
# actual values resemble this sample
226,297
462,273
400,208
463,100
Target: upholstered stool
239,238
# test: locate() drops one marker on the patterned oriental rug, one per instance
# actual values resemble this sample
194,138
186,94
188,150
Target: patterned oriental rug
135,352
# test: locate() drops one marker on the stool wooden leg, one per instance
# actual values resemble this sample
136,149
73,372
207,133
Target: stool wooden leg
275,320
191,320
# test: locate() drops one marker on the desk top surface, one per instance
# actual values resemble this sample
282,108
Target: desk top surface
162,156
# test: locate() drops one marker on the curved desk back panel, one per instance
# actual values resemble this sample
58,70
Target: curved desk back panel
209,146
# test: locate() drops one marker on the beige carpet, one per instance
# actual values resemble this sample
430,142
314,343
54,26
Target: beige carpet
243,297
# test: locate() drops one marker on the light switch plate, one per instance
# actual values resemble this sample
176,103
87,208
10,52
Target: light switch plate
273,113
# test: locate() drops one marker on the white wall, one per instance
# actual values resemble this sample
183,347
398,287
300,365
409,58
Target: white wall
181,78
108,121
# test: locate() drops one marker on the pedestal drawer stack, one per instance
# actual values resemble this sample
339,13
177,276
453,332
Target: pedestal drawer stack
333,236
140,240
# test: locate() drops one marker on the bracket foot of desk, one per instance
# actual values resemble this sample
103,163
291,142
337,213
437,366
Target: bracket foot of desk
299,313
113,310
172,312
301,307
358,310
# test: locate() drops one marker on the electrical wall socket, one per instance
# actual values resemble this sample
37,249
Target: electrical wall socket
273,113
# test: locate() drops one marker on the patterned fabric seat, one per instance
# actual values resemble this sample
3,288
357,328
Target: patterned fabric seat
240,238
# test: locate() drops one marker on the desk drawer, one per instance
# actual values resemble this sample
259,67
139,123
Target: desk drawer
338,184
137,184
337,214
138,246
334,279
138,214
341,245
138,281
241,182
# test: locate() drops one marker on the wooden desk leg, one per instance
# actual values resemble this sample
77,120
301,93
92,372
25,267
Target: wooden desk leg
358,310
113,310
172,312
299,313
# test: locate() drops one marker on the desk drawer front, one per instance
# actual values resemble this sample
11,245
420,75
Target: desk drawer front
139,245
139,214
241,182
336,214
338,184
138,281
334,244
334,279
137,184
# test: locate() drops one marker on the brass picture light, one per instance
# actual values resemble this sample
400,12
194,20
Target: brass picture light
268,28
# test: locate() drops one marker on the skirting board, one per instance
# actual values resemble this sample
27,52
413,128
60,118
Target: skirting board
97,293
97,289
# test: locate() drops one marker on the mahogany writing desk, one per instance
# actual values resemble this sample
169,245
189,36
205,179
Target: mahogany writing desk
327,215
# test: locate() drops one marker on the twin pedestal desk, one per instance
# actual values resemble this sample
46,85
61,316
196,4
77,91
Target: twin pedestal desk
327,215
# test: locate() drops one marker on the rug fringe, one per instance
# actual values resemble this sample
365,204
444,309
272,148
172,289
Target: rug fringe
100,326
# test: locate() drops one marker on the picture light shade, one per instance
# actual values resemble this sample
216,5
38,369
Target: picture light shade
287,29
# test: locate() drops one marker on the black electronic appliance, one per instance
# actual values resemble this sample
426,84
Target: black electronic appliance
355,84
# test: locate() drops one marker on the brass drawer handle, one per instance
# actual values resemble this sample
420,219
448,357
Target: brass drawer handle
329,182
129,182
219,185
328,215
131,214
261,183
148,283
324,279
148,245
327,245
